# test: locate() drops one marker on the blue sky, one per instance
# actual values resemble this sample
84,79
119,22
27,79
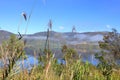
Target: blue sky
86,15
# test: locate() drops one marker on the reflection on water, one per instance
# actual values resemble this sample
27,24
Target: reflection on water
85,57
61,61
28,63
90,58
31,61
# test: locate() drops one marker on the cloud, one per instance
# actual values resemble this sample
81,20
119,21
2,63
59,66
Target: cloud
61,27
108,26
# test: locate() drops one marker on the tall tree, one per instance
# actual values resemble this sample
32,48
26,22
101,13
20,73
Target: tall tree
73,29
111,43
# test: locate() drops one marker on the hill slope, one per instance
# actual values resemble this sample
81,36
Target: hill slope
67,38
4,35
82,42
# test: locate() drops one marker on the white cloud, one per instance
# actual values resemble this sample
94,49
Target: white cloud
61,27
108,26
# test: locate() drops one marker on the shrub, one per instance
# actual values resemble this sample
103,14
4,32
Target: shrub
10,52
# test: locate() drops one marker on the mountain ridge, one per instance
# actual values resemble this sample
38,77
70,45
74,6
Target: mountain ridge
80,41
68,36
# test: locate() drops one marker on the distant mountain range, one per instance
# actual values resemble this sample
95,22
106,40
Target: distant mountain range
86,42
4,35
67,37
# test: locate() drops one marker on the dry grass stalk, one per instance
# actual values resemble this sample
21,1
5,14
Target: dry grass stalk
47,69
71,77
35,56
48,66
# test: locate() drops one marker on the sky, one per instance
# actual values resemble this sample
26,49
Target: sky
85,15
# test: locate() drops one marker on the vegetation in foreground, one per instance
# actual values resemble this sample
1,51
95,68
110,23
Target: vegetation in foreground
49,69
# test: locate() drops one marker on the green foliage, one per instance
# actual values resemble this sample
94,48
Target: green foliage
111,43
104,66
64,48
50,69
58,68
44,59
80,71
10,52
70,55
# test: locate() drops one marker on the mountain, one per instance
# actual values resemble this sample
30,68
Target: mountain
4,35
67,37
82,42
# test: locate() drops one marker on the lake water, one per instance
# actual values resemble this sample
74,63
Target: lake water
31,60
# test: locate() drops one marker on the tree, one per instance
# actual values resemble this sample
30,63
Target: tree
111,43
70,55
10,52
73,29
104,66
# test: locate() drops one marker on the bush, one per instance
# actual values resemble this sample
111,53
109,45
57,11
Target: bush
10,52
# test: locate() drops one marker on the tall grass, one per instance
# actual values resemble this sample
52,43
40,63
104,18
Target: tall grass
52,70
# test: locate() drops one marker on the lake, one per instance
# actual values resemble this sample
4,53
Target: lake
32,61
